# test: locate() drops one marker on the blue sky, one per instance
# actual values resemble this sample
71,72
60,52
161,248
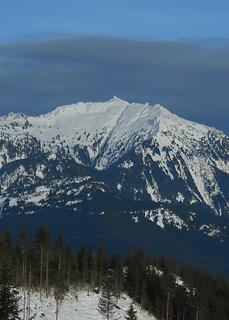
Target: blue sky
135,19
175,53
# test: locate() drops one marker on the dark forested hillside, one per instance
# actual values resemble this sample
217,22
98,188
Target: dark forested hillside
159,285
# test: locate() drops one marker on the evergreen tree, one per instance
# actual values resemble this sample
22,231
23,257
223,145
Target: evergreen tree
116,266
107,300
91,267
59,248
22,250
70,260
100,264
42,242
83,264
8,304
131,313
60,290
8,301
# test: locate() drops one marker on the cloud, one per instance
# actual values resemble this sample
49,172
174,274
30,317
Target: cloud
188,78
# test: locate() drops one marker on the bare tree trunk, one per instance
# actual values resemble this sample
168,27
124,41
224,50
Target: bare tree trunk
16,280
59,265
57,308
41,271
28,294
197,313
47,275
68,274
23,269
24,284
157,311
167,307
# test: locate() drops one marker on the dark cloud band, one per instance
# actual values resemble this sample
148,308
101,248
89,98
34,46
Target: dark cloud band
189,79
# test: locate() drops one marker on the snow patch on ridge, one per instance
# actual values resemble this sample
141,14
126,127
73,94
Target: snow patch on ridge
152,190
162,217
210,230
126,165
180,197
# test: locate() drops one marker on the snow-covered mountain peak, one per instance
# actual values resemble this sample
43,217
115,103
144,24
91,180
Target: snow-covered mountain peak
92,124
117,99
117,135
102,126
87,108
13,116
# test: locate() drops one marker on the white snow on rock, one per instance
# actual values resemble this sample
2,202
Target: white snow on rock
108,130
210,230
162,217
179,282
136,219
152,189
39,171
40,194
126,164
13,202
180,197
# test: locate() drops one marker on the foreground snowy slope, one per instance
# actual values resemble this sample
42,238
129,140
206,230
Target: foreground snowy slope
83,308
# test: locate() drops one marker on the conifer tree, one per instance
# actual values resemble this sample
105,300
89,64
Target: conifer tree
8,247
131,313
60,290
83,264
116,265
22,250
70,260
8,304
91,267
107,299
100,264
59,248
42,242
8,301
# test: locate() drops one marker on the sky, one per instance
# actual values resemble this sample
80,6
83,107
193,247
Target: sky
175,53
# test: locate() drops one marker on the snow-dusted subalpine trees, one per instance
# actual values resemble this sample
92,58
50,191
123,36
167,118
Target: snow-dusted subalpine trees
8,303
131,313
158,285
106,305
8,300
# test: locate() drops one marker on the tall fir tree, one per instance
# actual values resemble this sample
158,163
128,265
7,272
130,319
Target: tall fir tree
131,313
42,242
8,304
107,299
8,301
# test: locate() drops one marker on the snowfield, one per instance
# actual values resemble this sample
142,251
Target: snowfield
79,305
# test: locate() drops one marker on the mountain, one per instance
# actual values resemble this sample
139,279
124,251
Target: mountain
125,166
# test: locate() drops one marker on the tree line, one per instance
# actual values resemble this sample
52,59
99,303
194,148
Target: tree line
158,285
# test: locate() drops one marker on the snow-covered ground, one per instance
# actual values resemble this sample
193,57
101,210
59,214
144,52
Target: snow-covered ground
79,305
